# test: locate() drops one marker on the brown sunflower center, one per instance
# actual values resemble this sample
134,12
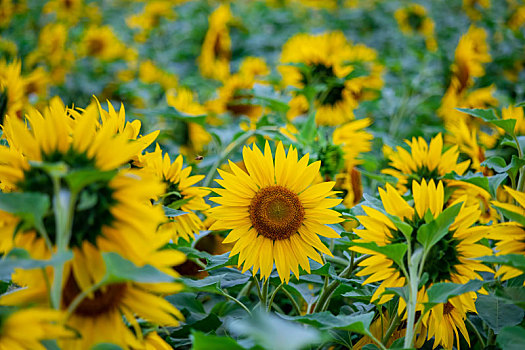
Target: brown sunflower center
276,212
95,46
447,308
103,301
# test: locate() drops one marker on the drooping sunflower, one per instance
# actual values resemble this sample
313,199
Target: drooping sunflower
455,253
414,19
99,317
347,72
181,194
274,212
510,236
424,161
24,328
214,60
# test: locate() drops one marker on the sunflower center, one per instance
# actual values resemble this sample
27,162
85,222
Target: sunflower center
103,301
95,46
447,308
415,21
276,212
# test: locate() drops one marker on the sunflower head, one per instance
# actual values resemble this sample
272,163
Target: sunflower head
274,212
424,161
453,250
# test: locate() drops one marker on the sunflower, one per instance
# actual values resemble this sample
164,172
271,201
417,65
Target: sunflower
214,60
6,12
510,236
274,212
52,51
24,328
11,89
470,56
455,253
353,139
69,11
112,213
512,112
102,43
424,161
149,73
414,19
99,317
467,139
473,8
196,138
475,195
150,18
236,93
344,70
181,194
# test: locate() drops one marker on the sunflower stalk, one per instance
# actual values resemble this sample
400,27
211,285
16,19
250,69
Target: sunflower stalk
393,325
264,293
521,179
294,303
274,293
414,269
63,207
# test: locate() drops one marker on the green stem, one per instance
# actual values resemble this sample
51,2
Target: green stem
237,301
337,260
274,293
476,332
393,326
411,308
230,148
324,298
246,289
264,293
258,287
521,179
295,305
377,341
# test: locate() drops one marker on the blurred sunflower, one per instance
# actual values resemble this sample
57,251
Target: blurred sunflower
149,73
423,161
12,96
236,93
473,195
181,194
214,60
6,12
53,51
150,18
344,71
472,52
196,137
512,112
274,212
414,19
474,8
99,316
455,253
24,328
112,213
467,140
101,42
510,236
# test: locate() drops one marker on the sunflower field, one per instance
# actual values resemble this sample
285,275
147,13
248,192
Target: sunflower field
266,174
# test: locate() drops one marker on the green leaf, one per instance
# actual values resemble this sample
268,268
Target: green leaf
203,341
272,332
495,182
20,258
429,234
513,215
29,206
171,213
325,320
223,260
120,270
511,338
309,129
506,124
106,346
78,179
487,115
521,104
401,291
514,260
441,292
496,313
496,162
395,252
